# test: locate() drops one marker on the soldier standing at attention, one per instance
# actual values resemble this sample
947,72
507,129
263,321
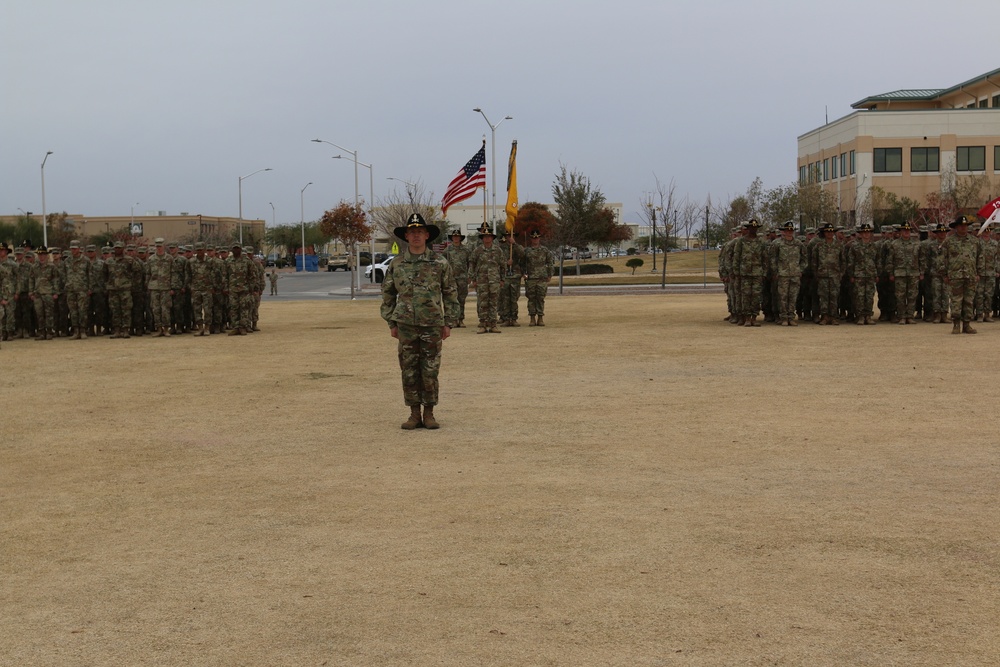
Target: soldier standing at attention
159,271
962,264
458,256
203,281
119,272
829,269
273,276
98,295
420,303
25,311
862,265
726,275
539,266
938,293
510,291
44,290
219,303
987,281
748,264
8,289
241,277
179,283
487,268
79,286
787,262
905,272
256,288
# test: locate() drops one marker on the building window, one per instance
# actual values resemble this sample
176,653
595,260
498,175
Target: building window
833,167
970,158
996,158
996,101
843,164
888,160
984,103
852,163
925,159
826,169
803,174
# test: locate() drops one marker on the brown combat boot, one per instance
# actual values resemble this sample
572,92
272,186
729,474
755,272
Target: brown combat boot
793,323
956,325
531,322
429,421
482,327
967,328
513,323
987,318
234,332
414,420
540,322
494,329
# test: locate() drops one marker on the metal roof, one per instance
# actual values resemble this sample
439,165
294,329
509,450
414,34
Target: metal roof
921,94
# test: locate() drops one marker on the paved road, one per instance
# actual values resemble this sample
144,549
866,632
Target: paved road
324,285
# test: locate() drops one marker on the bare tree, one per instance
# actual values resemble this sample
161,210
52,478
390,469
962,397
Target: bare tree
659,203
395,209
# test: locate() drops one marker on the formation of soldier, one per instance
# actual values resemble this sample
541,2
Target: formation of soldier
128,290
830,275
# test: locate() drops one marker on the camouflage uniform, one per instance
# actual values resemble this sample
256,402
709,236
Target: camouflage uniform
903,265
862,265
829,270
787,262
45,287
257,290
539,265
98,294
241,276
204,278
26,322
727,277
220,302
487,268
987,282
510,290
459,257
748,265
274,282
159,278
119,273
8,290
939,292
79,285
418,299
180,280
962,264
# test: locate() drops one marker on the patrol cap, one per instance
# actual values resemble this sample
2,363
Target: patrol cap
158,240
143,249
74,244
199,246
235,244
248,250
91,248
55,251
484,230
416,221
19,250
172,244
960,220
130,246
106,249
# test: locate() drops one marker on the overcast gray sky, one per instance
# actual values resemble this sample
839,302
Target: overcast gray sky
168,103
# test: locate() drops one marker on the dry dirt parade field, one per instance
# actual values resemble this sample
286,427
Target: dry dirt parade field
638,483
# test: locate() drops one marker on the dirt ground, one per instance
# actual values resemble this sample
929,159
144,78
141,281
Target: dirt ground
637,483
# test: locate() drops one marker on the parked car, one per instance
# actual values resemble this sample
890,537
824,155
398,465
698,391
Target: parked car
335,262
379,269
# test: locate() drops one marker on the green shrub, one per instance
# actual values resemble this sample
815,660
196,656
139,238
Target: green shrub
586,269
634,264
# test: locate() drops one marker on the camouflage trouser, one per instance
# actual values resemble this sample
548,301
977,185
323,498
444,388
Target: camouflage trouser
984,296
828,291
7,315
751,288
767,298
487,302
176,309
120,302
255,309
940,294
534,291
963,298
906,296
274,288
138,316
788,292
730,306
419,360
803,305
240,305
220,306
160,301
25,313
886,297
99,311
462,287
864,297
510,292
79,310
202,302
45,312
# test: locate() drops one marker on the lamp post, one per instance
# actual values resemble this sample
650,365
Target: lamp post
652,215
302,203
357,251
371,203
409,185
493,158
242,178
45,234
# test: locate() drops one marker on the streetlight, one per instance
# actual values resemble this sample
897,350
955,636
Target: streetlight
302,203
493,157
241,199
371,204
45,234
408,192
652,214
357,251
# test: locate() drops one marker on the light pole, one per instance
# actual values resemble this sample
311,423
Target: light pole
371,203
242,178
45,234
273,225
357,251
493,158
302,203
409,185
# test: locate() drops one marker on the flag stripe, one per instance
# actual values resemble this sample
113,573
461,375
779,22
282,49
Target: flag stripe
469,178
990,208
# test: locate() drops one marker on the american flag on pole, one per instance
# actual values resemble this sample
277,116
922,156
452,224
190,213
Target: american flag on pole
469,178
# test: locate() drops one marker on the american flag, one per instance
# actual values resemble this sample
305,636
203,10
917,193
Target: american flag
469,178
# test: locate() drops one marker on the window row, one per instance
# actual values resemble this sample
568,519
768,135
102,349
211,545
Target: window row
827,169
967,158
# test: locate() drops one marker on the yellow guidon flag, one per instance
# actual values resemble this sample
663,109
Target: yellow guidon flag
511,207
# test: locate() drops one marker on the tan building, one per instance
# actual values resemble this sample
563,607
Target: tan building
905,142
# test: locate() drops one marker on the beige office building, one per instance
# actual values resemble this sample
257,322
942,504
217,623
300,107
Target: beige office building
904,142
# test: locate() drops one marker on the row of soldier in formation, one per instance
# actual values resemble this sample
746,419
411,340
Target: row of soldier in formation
128,290
494,268
937,274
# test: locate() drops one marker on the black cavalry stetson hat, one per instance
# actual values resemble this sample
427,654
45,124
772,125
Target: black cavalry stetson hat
416,221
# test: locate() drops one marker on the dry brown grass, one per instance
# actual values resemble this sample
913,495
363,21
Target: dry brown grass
636,484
